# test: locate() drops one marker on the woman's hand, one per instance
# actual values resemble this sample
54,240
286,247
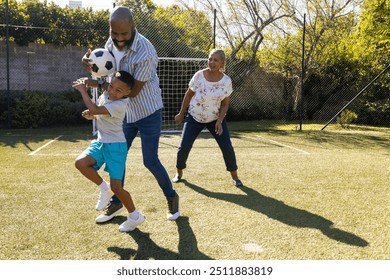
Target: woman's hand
179,118
218,127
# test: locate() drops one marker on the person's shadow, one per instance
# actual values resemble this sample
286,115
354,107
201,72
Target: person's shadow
148,249
277,210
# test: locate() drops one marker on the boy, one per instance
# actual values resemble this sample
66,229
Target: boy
110,147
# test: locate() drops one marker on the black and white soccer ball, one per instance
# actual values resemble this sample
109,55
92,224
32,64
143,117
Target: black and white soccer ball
103,63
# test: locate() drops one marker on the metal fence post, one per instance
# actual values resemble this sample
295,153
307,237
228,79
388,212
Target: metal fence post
7,54
302,72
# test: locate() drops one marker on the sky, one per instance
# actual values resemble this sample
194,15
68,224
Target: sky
105,4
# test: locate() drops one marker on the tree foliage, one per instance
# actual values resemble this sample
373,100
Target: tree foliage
371,42
32,21
346,42
170,29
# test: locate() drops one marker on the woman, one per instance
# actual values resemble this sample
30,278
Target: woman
207,101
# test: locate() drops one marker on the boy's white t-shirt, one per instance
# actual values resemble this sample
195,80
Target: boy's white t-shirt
109,127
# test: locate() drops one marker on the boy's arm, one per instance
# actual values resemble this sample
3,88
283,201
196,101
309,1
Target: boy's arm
92,107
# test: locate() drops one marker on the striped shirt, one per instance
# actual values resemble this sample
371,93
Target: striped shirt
140,60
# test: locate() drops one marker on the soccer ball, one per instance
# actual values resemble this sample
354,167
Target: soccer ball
102,63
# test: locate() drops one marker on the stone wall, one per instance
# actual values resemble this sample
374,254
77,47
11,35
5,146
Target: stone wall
40,67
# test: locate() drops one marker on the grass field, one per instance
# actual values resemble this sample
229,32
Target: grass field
311,195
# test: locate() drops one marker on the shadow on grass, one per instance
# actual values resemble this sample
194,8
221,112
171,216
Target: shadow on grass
277,210
11,138
148,249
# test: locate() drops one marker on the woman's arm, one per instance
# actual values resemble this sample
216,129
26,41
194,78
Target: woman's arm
222,113
184,106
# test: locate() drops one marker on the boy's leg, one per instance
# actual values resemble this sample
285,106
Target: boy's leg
130,131
123,195
88,166
115,206
134,217
84,163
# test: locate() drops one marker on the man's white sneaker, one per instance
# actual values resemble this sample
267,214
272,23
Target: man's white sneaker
173,208
130,224
110,212
104,199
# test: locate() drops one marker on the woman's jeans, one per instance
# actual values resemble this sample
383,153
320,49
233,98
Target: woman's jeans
191,130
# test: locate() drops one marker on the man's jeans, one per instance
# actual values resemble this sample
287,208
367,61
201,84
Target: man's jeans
149,129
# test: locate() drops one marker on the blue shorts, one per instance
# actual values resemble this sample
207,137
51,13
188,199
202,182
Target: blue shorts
112,154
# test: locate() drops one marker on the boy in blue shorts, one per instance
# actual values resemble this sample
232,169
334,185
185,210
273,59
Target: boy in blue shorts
110,147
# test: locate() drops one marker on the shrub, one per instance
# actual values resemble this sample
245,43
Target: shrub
346,118
32,109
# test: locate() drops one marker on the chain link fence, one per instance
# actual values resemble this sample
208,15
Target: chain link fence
183,48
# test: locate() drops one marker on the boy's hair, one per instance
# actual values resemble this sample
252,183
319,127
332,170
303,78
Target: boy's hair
125,77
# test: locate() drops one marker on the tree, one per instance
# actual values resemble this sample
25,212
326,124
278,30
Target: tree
242,23
16,18
38,22
174,31
372,39
187,32
328,63
371,48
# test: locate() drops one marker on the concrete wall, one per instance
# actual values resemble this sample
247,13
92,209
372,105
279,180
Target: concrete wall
41,67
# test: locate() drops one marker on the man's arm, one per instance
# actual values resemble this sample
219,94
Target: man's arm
138,85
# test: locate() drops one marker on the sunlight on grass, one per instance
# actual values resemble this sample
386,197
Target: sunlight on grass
331,202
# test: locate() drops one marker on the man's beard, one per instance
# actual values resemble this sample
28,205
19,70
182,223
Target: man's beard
125,47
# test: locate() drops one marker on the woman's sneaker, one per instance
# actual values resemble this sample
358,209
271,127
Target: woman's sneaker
130,224
237,183
176,179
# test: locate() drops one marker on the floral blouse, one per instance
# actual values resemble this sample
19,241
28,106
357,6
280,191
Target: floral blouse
206,102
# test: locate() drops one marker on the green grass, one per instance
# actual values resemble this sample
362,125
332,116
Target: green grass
308,195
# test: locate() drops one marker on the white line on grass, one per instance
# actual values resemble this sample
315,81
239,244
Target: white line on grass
283,145
56,155
47,144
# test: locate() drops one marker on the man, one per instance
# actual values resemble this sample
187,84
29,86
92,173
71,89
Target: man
136,55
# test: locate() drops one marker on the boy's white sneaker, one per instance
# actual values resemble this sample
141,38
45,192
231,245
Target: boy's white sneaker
104,199
130,224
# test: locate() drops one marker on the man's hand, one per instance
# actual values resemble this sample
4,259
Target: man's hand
86,61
